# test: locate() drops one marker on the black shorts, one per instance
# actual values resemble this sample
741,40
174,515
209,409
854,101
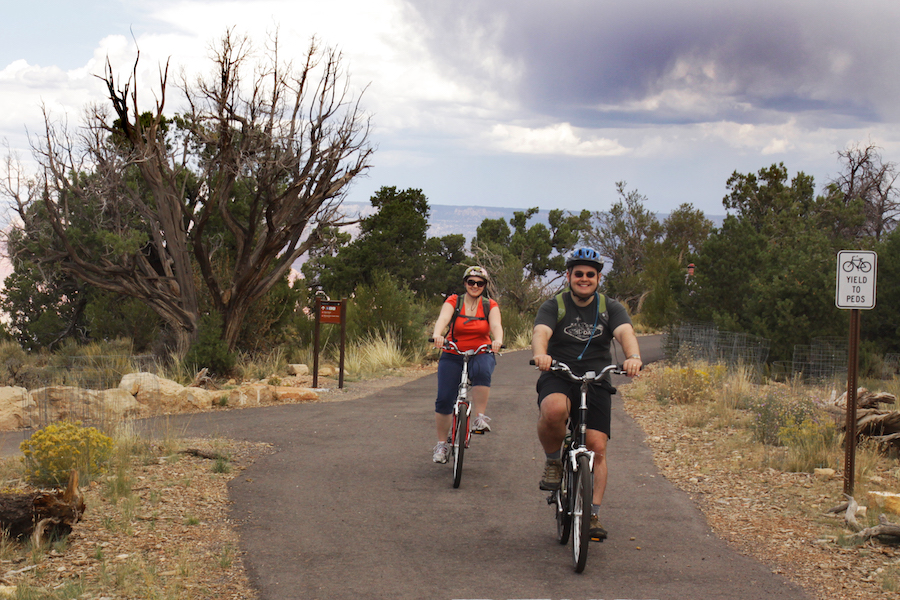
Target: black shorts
599,399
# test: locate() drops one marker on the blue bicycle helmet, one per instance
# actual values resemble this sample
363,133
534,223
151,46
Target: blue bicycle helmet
584,256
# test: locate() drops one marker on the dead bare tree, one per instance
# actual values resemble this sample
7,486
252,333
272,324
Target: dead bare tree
227,195
867,177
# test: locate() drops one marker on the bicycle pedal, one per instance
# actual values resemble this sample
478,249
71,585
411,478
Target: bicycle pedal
597,539
478,432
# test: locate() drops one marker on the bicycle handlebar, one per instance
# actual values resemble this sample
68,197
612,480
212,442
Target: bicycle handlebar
589,376
451,346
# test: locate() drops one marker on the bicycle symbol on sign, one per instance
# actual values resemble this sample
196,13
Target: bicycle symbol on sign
857,263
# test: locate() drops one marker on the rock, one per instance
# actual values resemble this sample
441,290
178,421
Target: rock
298,370
888,501
154,392
296,394
328,371
824,473
63,402
14,402
195,398
252,394
119,404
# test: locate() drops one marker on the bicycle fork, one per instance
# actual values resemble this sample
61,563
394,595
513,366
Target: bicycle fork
461,399
454,428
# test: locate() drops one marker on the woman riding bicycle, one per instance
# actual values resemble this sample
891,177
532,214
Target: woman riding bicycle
577,328
474,322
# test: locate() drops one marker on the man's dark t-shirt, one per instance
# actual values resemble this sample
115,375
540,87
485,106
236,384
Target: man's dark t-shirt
572,333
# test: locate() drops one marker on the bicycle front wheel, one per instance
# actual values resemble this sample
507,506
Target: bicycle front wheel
563,504
581,513
461,430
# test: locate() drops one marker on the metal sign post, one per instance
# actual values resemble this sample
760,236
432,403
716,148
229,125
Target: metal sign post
856,275
330,311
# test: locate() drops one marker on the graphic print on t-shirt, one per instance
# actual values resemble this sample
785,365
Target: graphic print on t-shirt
581,330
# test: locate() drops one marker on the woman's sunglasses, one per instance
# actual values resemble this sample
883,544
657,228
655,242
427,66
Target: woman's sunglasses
475,282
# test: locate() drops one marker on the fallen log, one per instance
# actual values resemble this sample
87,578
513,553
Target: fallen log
42,514
885,528
878,422
866,399
202,380
850,514
209,454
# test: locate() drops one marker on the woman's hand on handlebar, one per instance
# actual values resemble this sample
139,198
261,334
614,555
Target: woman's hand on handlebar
438,341
496,345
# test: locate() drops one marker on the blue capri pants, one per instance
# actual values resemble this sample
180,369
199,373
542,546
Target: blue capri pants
481,367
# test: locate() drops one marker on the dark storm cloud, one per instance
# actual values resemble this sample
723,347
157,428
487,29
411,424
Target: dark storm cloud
602,62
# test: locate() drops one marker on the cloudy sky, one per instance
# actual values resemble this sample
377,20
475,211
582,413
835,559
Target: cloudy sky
519,103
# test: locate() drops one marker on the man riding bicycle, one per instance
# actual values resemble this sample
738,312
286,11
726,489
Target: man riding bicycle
577,328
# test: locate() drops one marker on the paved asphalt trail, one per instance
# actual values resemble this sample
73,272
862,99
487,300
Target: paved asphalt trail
351,506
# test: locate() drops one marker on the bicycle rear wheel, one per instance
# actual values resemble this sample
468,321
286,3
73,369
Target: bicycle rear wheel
461,430
563,508
581,513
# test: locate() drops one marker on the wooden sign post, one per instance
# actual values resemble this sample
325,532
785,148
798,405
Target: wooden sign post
330,311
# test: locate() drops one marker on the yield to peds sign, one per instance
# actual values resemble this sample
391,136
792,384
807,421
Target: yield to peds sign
856,271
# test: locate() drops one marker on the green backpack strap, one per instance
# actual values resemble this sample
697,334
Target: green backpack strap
561,304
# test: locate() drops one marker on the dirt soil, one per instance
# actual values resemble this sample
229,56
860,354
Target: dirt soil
162,531
779,518
172,534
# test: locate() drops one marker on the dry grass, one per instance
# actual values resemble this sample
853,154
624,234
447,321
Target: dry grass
765,499
156,527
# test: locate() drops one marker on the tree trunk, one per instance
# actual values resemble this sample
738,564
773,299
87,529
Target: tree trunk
42,514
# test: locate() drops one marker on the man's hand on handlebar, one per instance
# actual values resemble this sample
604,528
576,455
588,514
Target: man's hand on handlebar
543,361
632,366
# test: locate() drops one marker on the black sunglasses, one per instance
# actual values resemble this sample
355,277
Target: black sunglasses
475,282
588,274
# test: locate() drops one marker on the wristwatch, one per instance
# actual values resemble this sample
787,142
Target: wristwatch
637,356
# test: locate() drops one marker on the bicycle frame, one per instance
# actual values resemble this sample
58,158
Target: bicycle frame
574,496
462,400
579,445
460,432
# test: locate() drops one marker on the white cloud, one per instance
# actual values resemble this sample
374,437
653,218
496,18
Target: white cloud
560,139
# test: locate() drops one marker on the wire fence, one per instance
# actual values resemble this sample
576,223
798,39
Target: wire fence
87,389
703,341
823,359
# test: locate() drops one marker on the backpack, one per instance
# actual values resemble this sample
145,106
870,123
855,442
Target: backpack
486,308
561,306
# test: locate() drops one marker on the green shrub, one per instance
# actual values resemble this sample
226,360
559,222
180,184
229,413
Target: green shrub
51,453
387,306
810,445
210,350
778,409
375,356
13,359
687,384
517,328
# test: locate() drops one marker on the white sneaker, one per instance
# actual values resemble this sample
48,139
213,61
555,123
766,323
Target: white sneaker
441,452
480,424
